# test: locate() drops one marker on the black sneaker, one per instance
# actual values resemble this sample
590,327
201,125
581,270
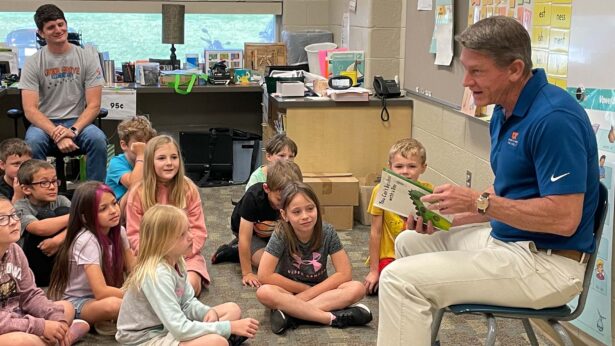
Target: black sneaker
236,340
279,321
226,253
355,315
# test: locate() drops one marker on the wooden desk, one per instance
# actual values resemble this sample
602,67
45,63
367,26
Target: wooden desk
341,136
234,106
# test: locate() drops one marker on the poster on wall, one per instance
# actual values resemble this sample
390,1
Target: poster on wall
442,38
591,80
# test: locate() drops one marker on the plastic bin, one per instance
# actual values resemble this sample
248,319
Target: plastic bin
246,155
312,54
296,42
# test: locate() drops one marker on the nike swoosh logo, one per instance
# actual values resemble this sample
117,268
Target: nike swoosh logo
554,179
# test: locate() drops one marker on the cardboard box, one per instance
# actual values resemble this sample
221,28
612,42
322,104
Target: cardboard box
257,56
333,189
339,216
366,186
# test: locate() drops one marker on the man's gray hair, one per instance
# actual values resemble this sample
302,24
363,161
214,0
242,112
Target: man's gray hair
502,38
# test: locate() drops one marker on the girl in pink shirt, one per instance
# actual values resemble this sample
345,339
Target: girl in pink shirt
164,182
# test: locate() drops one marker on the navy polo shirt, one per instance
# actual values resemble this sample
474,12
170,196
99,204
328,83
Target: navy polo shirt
546,147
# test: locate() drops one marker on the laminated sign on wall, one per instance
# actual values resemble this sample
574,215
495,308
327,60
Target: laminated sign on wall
121,103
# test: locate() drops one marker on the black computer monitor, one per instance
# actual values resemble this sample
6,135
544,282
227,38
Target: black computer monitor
5,67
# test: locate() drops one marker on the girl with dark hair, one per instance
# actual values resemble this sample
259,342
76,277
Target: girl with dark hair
90,265
293,269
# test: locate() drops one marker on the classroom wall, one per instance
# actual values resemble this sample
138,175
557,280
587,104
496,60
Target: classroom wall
454,142
375,27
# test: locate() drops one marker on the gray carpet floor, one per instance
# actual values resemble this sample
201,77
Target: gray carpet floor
226,286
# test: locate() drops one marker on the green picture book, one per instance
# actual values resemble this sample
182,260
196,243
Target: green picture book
347,63
402,196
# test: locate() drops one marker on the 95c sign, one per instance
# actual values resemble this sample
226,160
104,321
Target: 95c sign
121,103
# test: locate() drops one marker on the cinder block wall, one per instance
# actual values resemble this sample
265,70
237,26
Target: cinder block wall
455,143
375,27
306,14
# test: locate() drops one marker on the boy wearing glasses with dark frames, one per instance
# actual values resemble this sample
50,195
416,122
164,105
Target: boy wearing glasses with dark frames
44,217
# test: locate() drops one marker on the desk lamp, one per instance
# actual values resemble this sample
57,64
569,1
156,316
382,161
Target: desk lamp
173,27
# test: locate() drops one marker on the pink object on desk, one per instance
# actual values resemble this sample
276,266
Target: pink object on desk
322,59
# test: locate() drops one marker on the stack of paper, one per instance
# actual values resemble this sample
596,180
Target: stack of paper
351,94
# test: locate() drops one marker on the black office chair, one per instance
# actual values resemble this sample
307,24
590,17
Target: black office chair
552,315
16,114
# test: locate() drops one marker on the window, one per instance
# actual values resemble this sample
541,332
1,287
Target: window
130,36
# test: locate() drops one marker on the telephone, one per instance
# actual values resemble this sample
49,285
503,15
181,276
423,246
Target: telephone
386,88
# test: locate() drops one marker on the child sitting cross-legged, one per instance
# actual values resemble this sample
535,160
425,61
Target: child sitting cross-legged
27,317
164,182
293,269
90,265
44,217
159,307
254,219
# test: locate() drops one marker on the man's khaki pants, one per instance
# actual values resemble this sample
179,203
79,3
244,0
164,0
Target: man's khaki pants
466,265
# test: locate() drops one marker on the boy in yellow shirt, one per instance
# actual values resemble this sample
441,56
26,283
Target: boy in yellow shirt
407,157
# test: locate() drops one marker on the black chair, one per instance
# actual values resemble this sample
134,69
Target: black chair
552,315
16,114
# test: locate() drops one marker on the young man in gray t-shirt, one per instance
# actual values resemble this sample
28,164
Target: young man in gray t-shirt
61,88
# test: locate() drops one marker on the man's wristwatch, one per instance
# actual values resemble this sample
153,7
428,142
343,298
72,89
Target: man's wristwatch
482,203
75,131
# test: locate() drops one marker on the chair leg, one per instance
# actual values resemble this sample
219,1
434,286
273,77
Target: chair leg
561,331
435,325
491,330
61,173
530,332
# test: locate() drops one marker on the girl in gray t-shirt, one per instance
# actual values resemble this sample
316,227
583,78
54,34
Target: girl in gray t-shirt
293,269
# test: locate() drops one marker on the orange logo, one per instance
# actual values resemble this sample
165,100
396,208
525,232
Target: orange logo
514,135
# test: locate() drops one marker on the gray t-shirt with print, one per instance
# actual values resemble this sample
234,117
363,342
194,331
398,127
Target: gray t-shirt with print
308,267
30,211
61,80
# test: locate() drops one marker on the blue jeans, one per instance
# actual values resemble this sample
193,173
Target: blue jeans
91,141
79,302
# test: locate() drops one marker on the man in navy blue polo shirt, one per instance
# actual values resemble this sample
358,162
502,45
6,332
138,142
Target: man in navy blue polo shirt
540,207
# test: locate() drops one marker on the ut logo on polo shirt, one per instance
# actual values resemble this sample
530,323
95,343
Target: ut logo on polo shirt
512,141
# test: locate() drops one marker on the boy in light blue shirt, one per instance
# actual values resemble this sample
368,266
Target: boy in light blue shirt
126,169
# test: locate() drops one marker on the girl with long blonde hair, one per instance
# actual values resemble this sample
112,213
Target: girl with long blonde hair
164,182
159,305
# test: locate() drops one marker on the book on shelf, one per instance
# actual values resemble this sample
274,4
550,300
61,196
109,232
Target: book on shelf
351,94
402,196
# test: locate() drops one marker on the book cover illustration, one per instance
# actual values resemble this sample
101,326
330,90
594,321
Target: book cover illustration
402,196
350,63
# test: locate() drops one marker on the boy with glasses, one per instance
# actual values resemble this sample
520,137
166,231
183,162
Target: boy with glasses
44,217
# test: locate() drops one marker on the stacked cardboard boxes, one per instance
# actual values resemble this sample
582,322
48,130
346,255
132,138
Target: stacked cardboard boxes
366,186
338,193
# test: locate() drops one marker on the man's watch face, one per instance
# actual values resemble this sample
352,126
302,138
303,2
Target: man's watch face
482,203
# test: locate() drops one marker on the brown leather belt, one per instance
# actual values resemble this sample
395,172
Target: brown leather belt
572,254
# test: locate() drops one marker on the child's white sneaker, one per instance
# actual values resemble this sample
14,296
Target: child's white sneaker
77,330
